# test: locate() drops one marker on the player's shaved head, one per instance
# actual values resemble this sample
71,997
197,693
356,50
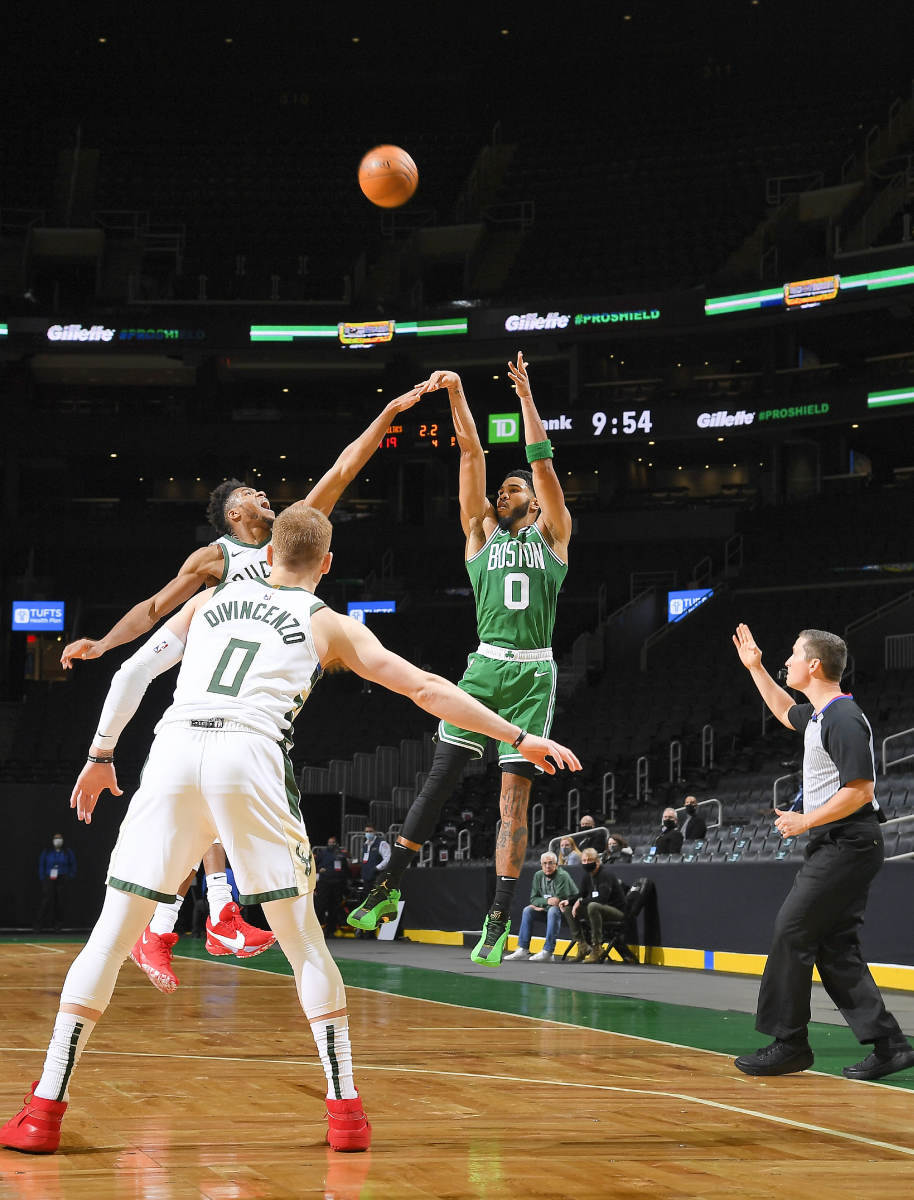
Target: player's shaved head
301,537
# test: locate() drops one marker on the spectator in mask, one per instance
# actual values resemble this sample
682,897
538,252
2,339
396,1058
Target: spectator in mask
618,849
55,867
601,900
693,827
597,838
670,839
569,853
375,854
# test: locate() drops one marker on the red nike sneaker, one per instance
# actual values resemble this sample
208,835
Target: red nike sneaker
36,1128
152,954
347,1125
232,935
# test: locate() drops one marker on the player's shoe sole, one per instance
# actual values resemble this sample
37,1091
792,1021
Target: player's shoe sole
491,945
379,906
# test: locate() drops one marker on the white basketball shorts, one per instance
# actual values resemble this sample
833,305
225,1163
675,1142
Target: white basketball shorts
203,784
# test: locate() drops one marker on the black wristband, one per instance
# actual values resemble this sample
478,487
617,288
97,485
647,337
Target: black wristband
91,758
520,737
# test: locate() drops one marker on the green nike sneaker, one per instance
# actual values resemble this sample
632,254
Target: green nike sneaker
489,948
379,905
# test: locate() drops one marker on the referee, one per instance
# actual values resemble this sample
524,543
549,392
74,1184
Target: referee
819,922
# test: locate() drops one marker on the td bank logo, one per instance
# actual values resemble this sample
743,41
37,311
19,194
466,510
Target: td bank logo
504,427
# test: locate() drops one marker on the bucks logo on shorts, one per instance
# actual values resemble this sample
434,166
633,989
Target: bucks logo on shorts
303,857
516,582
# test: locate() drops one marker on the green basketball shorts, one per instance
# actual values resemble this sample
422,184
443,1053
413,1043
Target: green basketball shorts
521,692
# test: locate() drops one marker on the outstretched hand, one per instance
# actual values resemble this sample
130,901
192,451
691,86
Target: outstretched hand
518,373
440,379
92,781
540,750
82,648
749,654
408,399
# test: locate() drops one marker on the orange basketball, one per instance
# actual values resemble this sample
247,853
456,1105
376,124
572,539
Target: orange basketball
388,176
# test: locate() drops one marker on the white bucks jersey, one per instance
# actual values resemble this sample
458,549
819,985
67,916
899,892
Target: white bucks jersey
241,560
249,658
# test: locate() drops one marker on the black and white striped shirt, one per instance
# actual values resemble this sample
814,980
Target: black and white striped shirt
837,749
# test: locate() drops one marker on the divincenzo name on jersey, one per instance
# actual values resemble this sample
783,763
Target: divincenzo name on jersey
288,627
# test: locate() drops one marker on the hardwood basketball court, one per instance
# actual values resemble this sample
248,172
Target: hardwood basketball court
475,1087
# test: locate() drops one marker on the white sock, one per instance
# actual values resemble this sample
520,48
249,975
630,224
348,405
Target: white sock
67,1041
332,1041
218,893
165,917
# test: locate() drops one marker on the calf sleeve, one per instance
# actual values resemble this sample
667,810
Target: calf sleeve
443,777
317,977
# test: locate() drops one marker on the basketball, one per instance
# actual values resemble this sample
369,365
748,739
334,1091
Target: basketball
388,176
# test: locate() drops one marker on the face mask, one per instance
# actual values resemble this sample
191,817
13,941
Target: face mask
690,809
589,866
669,824
58,842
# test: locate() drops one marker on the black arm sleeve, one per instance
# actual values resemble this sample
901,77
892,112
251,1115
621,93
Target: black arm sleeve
848,741
799,715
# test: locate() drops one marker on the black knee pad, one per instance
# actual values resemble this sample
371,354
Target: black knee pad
443,776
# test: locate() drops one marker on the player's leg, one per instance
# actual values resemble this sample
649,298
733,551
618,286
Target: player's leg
85,996
525,693
380,903
251,793
323,1000
510,851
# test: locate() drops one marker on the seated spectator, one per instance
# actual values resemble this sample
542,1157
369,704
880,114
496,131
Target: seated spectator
569,853
693,827
551,885
597,839
601,900
670,839
618,849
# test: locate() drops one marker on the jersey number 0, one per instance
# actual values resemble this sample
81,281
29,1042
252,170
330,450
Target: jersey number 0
232,687
517,590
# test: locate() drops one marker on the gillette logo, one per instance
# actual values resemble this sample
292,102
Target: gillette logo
79,333
533,321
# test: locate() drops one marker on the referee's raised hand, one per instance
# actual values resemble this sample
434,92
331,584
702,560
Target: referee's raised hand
749,654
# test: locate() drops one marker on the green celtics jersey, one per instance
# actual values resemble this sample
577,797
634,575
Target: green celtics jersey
516,582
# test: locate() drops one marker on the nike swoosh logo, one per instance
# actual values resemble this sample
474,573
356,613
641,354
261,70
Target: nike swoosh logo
537,674
235,553
232,943
145,938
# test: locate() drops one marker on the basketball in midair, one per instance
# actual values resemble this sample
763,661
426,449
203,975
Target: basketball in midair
388,176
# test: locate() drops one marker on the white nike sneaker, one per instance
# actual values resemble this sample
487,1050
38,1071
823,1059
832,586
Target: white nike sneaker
233,935
516,954
543,956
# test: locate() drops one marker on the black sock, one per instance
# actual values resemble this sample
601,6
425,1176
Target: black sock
504,894
400,858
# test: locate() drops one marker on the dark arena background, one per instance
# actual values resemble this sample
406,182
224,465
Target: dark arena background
695,221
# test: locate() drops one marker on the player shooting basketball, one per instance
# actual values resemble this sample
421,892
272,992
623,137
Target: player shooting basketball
517,558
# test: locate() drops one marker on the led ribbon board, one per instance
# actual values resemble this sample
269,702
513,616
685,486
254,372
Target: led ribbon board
871,281
359,333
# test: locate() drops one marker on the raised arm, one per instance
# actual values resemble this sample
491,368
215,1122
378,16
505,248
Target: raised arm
556,521
334,482
128,687
200,569
475,507
339,639
779,701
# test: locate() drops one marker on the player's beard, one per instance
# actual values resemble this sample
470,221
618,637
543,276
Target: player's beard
513,515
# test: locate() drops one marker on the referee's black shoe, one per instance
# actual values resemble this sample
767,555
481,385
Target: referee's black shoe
887,1058
780,1058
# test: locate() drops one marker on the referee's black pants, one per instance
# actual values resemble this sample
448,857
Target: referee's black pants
818,924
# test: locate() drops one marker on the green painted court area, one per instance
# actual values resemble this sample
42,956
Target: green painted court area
728,1033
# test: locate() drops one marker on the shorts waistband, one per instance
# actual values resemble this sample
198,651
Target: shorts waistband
223,723
508,654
